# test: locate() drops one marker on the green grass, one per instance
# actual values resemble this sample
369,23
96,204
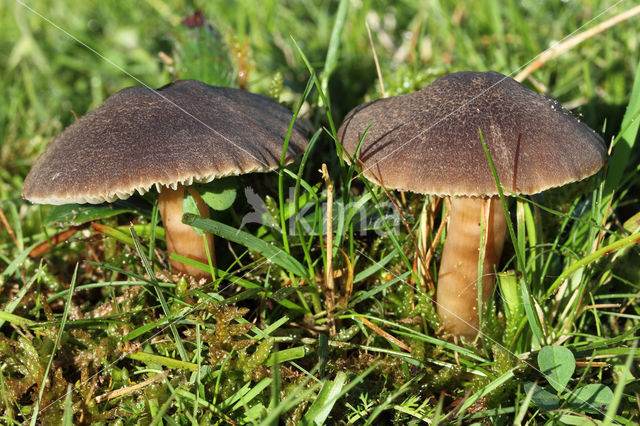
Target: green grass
99,315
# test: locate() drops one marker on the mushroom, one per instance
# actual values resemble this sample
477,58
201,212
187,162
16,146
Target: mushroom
184,132
429,142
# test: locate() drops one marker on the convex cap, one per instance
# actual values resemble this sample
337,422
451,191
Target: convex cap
183,132
428,141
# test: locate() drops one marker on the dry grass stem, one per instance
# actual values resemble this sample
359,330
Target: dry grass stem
127,390
5,222
414,240
595,364
386,335
573,41
348,284
424,230
46,246
329,282
375,59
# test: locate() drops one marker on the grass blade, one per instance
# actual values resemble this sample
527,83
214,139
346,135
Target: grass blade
495,384
326,399
281,205
271,252
17,262
7,312
622,150
331,61
604,251
163,360
67,415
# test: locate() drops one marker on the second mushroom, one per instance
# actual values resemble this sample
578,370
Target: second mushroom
428,142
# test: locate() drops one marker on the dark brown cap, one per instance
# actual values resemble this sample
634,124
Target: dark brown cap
428,141
183,132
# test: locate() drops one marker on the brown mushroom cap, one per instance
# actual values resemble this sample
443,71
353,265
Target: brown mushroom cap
428,141
183,132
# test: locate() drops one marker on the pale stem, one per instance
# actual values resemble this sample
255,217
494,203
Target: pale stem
457,293
183,239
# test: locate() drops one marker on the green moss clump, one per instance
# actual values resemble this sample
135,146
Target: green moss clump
253,365
346,334
443,379
224,337
426,309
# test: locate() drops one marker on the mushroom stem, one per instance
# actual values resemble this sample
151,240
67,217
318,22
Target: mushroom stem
183,239
457,293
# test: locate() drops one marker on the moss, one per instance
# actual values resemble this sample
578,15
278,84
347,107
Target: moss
231,382
252,365
22,366
294,416
445,378
493,324
426,309
48,280
401,300
224,336
346,334
182,287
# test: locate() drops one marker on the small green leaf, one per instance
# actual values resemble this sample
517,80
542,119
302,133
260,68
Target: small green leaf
542,398
218,194
557,364
593,397
190,205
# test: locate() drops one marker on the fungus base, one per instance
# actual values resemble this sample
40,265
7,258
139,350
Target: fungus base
457,292
183,239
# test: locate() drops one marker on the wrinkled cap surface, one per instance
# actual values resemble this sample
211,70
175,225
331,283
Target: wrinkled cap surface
184,132
428,141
